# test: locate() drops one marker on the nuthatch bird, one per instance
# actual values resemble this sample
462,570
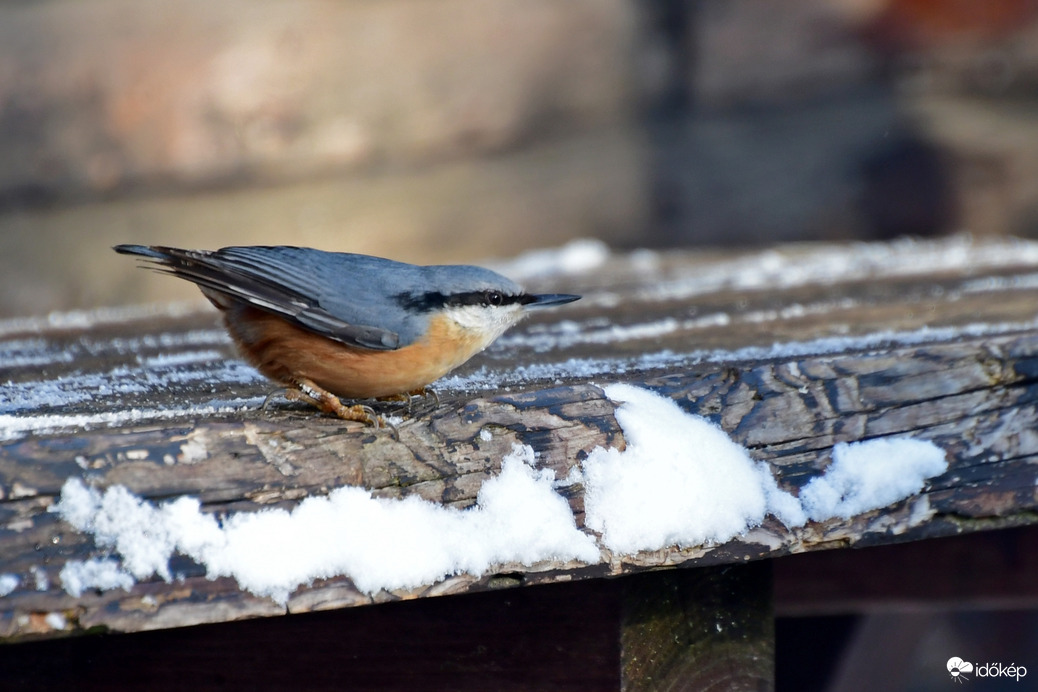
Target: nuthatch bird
328,324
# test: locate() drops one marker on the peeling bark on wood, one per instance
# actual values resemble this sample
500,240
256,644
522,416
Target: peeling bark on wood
970,388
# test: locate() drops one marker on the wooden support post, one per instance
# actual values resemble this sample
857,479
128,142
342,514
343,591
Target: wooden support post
698,629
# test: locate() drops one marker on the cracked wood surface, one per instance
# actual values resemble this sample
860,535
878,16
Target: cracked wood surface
895,339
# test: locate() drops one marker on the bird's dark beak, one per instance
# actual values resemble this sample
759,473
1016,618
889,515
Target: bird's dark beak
545,300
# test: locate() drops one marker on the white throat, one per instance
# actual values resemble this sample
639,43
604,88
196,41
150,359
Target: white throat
485,322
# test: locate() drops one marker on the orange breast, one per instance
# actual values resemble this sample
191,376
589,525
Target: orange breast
284,352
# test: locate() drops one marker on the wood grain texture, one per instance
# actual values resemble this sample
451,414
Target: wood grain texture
875,341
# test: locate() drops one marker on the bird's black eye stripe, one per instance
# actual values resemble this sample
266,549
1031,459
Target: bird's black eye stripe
427,302
422,302
485,298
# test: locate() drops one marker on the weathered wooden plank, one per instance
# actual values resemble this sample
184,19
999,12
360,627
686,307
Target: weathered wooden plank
510,641
977,570
158,403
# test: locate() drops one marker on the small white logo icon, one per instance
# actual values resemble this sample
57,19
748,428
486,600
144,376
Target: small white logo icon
958,668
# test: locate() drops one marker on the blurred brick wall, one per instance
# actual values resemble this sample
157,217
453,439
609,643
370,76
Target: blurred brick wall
429,131
113,95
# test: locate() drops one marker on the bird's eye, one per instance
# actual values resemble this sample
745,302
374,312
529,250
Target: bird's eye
493,298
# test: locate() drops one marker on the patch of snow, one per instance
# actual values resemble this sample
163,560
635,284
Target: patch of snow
868,475
681,481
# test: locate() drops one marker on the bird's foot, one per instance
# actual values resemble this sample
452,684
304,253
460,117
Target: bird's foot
425,392
405,397
324,400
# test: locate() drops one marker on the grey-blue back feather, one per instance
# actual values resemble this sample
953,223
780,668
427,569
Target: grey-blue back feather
356,299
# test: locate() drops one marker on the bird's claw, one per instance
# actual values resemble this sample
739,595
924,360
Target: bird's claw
310,393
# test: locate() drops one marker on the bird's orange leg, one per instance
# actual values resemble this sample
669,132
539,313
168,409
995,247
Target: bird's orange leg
425,392
406,396
329,403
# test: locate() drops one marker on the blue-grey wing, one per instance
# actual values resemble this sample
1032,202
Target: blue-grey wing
339,296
